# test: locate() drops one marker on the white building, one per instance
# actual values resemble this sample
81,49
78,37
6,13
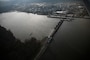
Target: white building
60,12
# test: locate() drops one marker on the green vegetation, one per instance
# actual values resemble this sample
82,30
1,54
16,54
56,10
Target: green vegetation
13,49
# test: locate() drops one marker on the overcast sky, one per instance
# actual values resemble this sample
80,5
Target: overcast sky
4,0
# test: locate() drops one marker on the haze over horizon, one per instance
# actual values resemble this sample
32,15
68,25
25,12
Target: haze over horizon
41,0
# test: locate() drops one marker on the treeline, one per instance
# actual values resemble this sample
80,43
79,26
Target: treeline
13,49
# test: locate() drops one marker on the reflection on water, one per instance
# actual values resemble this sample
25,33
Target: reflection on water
25,24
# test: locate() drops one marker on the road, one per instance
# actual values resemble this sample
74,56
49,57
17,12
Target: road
71,42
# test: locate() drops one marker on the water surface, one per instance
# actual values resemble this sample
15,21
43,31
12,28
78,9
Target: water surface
24,25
